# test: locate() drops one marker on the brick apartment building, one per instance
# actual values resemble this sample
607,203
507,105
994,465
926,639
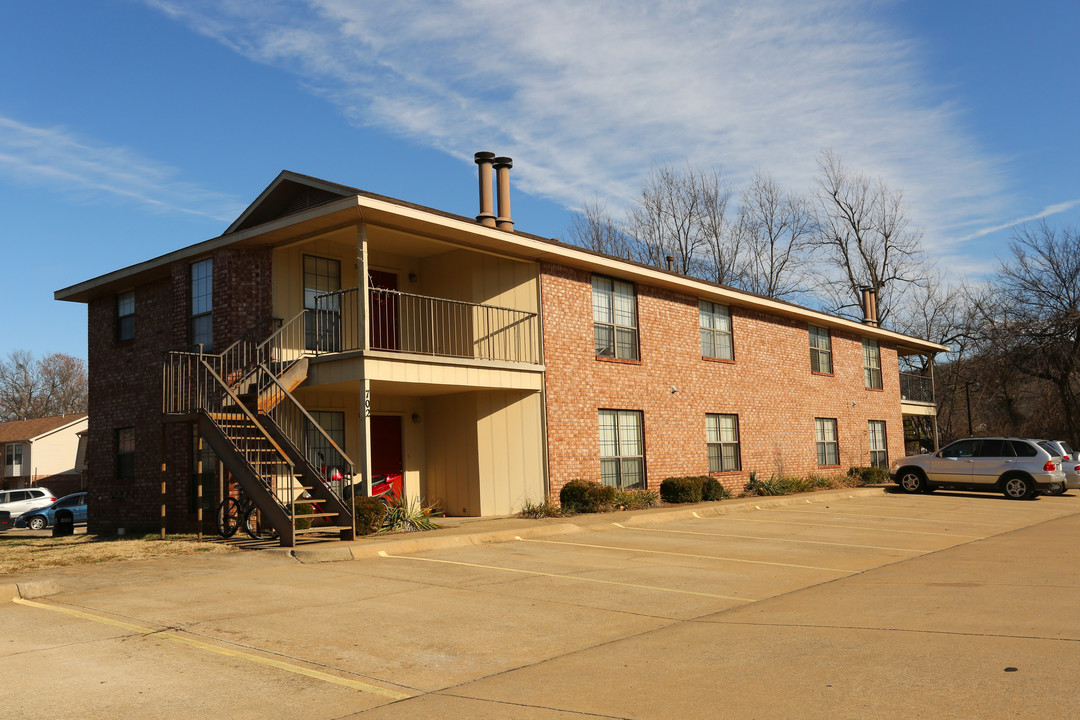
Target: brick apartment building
486,366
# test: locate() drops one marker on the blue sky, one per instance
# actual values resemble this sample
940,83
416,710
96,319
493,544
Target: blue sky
130,128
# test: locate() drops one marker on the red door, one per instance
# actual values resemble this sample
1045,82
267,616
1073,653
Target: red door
383,307
386,457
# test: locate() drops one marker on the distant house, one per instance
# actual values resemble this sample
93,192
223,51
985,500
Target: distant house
478,365
45,451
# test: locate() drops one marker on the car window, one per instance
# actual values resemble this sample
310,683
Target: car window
1048,447
20,495
994,447
37,493
960,449
1068,450
1024,449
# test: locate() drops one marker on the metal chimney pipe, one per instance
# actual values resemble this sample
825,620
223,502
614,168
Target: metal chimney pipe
873,307
670,261
487,210
867,319
502,167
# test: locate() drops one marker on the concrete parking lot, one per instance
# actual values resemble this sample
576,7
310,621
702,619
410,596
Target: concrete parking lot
861,604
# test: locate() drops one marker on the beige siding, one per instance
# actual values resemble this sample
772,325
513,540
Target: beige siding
288,265
451,447
54,453
509,444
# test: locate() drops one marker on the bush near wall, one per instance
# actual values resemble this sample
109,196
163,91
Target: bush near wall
869,475
370,513
692,489
587,496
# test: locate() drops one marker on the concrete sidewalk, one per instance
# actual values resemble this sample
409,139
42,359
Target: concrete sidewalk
454,532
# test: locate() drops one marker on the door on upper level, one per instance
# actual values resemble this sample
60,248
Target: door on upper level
383,307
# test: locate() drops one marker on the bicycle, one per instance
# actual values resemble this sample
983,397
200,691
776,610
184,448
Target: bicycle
236,512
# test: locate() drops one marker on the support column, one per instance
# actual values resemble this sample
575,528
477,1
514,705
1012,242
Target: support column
363,309
364,461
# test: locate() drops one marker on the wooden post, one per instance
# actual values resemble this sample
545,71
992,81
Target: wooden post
163,468
199,483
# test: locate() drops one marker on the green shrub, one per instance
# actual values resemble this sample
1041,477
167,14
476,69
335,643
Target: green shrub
370,513
587,496
302,523
535,510
405,515
636,499
772,486
711,490
869,475
681,489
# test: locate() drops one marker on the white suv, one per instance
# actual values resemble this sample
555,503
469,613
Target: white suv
19,501
1015,466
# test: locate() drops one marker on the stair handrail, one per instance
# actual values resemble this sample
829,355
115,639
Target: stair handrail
307,416
273,349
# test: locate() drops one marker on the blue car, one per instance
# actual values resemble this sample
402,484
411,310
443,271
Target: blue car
42,518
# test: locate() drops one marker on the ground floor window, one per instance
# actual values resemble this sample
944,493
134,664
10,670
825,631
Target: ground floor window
125,453
622,449
879,453
321,452
828,448
722,439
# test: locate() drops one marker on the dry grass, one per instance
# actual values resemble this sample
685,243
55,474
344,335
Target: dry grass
22,554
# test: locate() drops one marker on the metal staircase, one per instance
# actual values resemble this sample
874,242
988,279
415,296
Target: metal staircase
242,404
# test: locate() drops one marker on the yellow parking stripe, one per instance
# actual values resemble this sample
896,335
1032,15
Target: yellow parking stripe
279,664
690,555
828,511
762,537
383,553
847,527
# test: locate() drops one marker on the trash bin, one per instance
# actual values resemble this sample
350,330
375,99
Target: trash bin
63,523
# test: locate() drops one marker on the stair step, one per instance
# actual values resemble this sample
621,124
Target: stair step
319,515
324,528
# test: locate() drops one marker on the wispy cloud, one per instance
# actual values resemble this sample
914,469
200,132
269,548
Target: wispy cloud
1046,212
56,158
588,95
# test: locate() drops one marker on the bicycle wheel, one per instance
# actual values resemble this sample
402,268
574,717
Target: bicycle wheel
257,526
228,517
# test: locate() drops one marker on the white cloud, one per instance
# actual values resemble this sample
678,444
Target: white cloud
1044,213
588,95
55,157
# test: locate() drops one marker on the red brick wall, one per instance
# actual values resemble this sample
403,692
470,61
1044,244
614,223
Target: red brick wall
125,388
769,386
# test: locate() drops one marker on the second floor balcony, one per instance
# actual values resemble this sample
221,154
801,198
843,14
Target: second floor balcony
916,389
407,323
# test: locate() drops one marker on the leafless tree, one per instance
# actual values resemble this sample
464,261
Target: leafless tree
53,385
866,239
682,215
774,229
596,229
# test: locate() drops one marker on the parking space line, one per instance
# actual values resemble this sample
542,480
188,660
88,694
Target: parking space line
880,517
689,555
279,664
383,553
847,527
762,537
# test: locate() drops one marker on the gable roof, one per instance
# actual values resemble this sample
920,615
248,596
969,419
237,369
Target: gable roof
289,193
22,430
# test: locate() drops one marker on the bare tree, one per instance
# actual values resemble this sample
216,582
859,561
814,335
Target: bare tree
596,229
29,388
682,215
774,228
866,237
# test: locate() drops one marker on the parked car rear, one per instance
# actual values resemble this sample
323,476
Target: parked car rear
1014,466
1070,464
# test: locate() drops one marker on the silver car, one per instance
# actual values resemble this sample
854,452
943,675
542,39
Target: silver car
1017,467
1070,464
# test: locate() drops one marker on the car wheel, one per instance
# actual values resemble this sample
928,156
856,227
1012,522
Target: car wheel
1019,488
36,523
912,481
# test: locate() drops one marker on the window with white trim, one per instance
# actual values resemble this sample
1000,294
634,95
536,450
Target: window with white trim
828,447
125,316
13,460
820,350
202,304
715,331
614,319
871,363
879,452
622,449
722,440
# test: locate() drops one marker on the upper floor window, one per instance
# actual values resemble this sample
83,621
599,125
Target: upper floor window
622,449
879,452
13,460
871,363
828,447
321,318
202,304
614,319
820,350
125,316
722,439
715,331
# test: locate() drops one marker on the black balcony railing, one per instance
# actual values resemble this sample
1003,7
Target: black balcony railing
916,388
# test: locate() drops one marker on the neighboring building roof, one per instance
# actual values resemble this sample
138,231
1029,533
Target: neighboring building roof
293,198
29,430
